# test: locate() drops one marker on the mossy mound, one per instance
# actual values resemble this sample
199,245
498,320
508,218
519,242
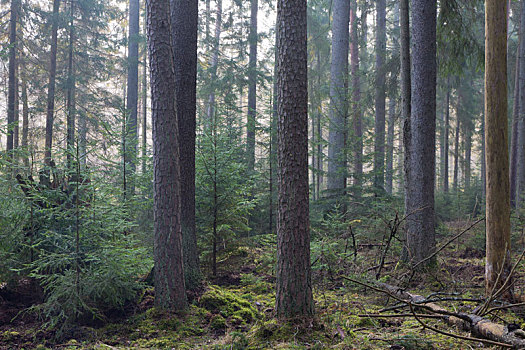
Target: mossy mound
233,308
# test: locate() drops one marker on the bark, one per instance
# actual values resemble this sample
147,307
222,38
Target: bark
521,114
389,171
16,129
132,96
70,95
404,34
294,285
515,124
170,290
477,325
496,138
252,86
445,138
213,65
456,147
25,118
184,16
320,154
51,84
356,101
144,107
12,77
338,98
379,126
468,153
420,189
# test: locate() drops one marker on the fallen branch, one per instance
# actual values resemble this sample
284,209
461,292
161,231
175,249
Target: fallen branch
487,331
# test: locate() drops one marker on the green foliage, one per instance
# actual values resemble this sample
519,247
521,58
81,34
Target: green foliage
223,190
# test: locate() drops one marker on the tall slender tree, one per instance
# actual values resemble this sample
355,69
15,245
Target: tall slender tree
132,95
51,84
252,86
521,113
404,33
420,184
12,74
70,90
170,292
214,63
338,98
498,250
356,100
379,126
184,17
294,285
513,176
445,137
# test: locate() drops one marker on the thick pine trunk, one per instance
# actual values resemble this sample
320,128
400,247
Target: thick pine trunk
379,126
184,16
496,138
51,84
294,285
338,99
170,290
420,189
252,86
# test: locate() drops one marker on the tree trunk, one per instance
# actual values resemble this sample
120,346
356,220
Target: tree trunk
389,171
496,138
320,154
456,147
144,106
213,66
420,189
294,285
12,85
338,99
132,96
468,152
445,138
356,101
184,16
404,34
252,87
521,113
25,118
170,291
379,126
515,124
70,94
51,84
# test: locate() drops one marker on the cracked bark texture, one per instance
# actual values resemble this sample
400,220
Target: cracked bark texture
420,184
294,285
184,16
496,138
170,290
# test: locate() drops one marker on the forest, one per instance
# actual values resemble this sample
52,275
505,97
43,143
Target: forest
289,174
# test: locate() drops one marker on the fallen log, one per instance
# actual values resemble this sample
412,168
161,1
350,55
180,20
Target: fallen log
476,325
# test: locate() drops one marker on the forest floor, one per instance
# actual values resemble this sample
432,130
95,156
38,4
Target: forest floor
235,310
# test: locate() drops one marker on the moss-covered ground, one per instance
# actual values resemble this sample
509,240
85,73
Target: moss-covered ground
235,309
